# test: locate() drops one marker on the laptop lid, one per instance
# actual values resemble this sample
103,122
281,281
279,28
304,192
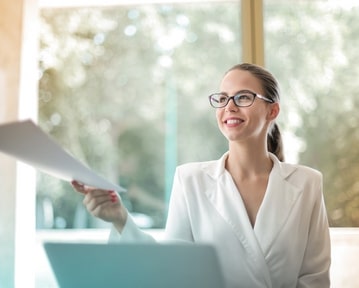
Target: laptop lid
134,265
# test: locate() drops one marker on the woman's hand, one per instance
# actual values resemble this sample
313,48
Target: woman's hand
103,204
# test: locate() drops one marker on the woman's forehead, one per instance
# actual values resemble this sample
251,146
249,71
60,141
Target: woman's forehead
237,80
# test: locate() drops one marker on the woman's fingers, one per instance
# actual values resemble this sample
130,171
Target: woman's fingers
104,204
96,198
100,203
79,187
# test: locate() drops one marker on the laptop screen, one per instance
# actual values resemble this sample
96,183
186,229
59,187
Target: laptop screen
134,265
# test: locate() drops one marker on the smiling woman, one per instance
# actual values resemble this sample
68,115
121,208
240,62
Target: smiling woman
310,46
247,201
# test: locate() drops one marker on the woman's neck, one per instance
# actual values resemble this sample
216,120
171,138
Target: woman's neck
248,160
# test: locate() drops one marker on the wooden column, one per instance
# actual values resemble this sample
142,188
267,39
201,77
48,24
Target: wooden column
252,31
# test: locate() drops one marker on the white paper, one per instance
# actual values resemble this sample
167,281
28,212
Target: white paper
26,142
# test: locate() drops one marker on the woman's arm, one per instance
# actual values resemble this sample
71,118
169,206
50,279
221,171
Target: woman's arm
317,258
178,226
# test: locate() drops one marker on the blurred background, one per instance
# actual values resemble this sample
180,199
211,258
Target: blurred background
124,89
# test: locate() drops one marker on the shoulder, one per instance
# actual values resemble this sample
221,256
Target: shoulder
211,168
302,170
195,168
202,172
300,176
289,170
305,178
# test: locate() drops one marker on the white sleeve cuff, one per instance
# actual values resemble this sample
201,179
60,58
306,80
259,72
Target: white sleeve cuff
130,233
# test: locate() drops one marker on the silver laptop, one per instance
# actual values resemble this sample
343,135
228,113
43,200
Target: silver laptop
78,265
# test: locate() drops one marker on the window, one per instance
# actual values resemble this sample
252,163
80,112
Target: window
124,89
311,48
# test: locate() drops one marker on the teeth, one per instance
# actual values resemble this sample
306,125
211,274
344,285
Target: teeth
233,121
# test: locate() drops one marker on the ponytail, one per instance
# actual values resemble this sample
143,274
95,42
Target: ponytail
274,142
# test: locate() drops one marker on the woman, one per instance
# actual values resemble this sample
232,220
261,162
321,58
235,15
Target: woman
266,218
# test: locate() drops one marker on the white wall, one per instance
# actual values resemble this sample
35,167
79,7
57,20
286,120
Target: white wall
18,98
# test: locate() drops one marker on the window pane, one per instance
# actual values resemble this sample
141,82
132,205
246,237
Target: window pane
124,89
311,46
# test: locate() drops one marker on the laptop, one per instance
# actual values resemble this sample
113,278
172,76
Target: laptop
134,265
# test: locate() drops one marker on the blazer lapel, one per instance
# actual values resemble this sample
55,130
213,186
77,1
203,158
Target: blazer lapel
226,199
277,205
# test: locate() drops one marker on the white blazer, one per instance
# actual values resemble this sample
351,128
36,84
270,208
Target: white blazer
289,246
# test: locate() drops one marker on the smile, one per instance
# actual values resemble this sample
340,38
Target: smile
233,121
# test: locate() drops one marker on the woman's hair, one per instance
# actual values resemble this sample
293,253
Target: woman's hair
271,91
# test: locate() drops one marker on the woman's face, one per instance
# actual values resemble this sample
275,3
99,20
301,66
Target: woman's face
244,123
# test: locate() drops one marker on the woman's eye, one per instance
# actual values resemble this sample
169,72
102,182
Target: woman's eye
222,99
243,97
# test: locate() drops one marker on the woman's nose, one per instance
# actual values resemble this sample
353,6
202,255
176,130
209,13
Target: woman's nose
231,106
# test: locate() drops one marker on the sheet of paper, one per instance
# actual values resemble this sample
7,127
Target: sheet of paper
26,142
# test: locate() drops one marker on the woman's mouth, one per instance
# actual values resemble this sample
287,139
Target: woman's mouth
232,121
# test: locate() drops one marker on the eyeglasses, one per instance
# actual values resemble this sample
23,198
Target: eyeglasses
241,99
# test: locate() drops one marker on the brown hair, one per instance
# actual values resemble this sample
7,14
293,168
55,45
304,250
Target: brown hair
271,91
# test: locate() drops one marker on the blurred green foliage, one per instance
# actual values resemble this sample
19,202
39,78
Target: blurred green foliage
311,46
124,89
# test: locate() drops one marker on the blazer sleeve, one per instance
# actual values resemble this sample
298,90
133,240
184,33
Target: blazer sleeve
178,226
130,233
316,262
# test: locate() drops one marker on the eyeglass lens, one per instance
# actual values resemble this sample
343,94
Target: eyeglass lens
241,99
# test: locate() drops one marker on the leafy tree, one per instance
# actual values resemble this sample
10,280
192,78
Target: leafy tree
317,45
125,90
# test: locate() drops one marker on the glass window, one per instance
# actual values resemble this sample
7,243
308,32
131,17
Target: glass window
124,89
312,49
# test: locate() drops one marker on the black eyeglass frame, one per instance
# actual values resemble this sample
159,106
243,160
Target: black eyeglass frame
239,93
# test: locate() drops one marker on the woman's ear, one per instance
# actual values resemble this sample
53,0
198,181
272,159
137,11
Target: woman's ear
273,111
